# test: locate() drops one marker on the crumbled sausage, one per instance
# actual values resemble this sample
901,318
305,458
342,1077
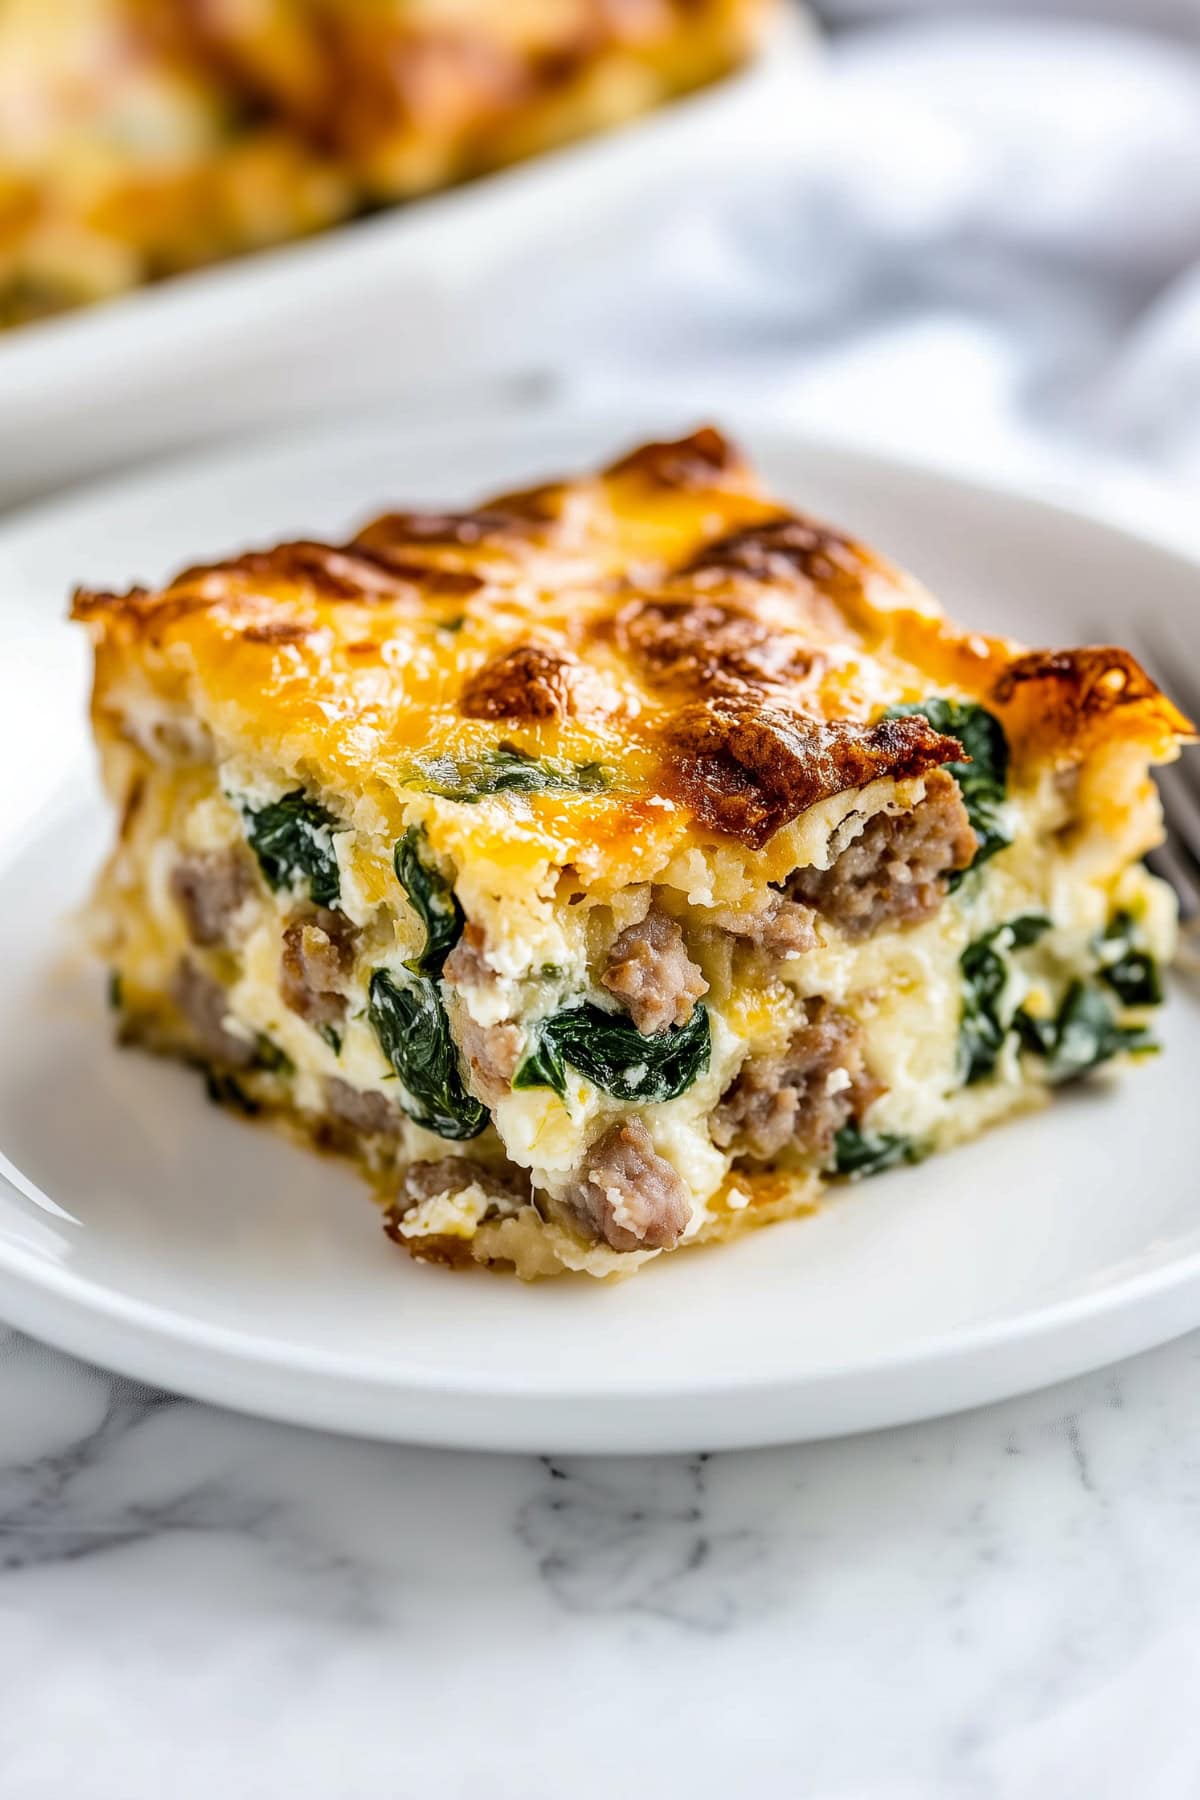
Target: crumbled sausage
801,1097
362,1109
710,648
627,1195
453,1174
650,970
896,871
492,1053
507,1190
210,887
780,926
746,768
467,964
318,955
205,1005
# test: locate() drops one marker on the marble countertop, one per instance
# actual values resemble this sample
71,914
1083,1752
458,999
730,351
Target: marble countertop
1001,1605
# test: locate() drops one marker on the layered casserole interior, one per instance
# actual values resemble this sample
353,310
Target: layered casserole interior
141,137
611,868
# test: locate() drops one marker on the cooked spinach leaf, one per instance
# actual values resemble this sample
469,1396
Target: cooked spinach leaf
410,1022
608,1050
1132,974
432,899
114,989
406,1010
223,1090
983,780
868,1152
505,770
268,1056
1082,1034
293,841
985,975
332,1037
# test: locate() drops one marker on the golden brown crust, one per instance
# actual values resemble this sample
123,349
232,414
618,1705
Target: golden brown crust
704,460
1073,698
745,769
706,647
726,663
326,571
531,683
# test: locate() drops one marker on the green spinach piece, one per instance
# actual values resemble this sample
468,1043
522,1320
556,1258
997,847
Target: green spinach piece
406,1010
1082,1035
410,1022
293,841
223,1090
984,780
505,770
985,974
432,899
268,1056
608,1050
114,990
868,1152
1132,974
332,1037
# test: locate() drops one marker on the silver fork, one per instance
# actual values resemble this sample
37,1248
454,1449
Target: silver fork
1178,859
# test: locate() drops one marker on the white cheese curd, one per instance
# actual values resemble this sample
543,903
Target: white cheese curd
447,1215
686,1145
542,1134
246,785
212,824
489,1002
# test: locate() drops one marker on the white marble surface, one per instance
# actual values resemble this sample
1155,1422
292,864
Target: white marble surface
1001,1606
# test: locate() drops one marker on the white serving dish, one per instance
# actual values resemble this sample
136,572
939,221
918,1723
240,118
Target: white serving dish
402,304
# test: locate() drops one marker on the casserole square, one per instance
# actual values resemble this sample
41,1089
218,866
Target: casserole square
612,867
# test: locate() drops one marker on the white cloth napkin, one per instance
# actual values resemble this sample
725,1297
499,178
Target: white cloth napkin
975,240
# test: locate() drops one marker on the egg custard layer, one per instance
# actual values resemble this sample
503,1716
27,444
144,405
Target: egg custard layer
612,867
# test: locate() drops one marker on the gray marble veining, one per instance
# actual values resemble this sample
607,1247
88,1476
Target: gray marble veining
1002,1605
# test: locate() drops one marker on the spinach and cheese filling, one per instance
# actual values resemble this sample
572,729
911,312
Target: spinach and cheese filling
612,867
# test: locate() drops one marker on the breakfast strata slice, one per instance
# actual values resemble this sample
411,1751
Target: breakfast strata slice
612,867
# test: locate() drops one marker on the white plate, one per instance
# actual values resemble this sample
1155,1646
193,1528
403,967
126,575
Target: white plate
154,1234
391,306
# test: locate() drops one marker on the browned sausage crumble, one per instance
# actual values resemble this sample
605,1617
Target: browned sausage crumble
650,970
896,871
802,1097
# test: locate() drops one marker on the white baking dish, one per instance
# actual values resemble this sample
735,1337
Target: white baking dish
399,306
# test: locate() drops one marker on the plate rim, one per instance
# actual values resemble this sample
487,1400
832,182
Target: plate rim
217,1364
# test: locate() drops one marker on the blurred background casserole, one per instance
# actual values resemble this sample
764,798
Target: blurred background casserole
142,137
